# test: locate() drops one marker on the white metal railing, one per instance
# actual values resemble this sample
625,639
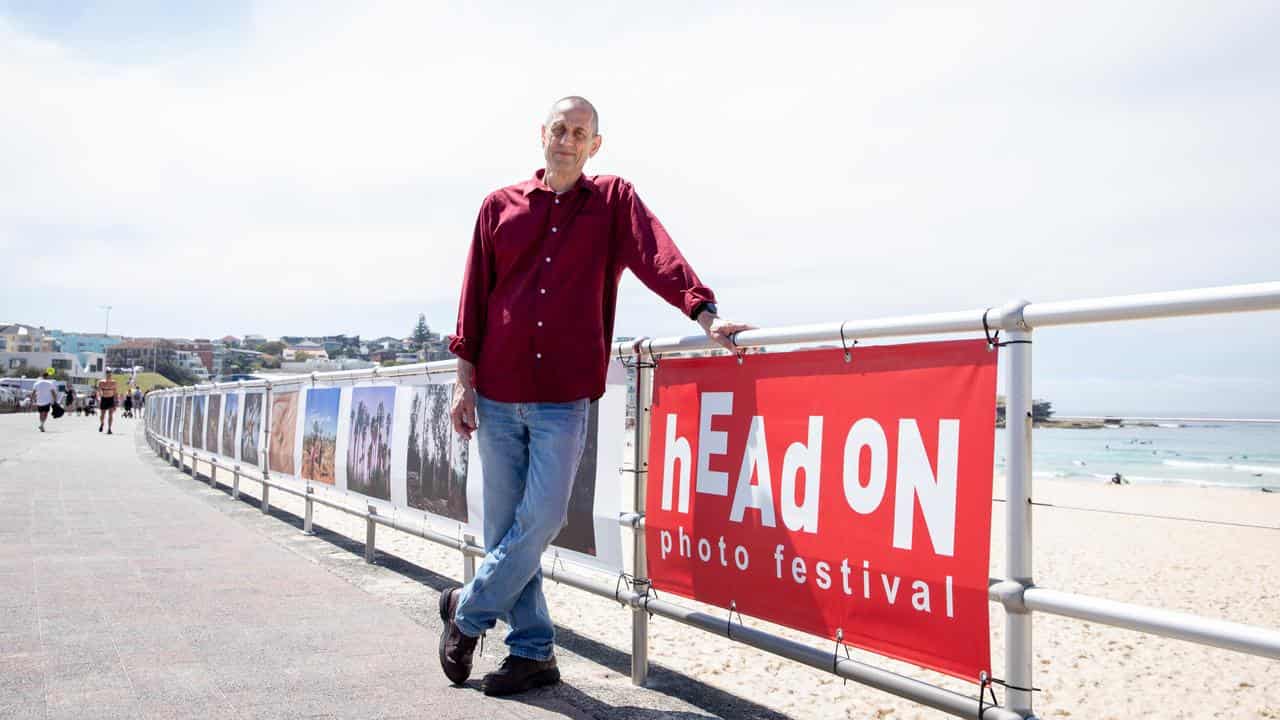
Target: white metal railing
1016,592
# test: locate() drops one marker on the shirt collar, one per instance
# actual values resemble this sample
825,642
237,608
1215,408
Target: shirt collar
536,183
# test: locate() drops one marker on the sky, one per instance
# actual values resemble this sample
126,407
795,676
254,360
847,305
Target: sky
315,168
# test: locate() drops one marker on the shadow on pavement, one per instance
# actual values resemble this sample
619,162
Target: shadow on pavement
563,698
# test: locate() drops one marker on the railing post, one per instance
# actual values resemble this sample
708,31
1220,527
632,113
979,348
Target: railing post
1018,541
266,497
370,528
640,569
306,520
235,483
213,473
468,560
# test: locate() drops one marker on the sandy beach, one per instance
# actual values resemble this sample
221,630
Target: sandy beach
1084,669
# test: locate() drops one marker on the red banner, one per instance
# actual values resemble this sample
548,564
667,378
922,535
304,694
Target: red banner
833,497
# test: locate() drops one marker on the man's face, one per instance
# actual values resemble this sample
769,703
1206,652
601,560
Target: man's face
568,139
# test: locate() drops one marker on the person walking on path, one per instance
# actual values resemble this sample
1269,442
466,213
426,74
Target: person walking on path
535,320
106,402
44,394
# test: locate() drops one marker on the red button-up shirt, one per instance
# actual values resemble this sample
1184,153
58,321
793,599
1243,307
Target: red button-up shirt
541,285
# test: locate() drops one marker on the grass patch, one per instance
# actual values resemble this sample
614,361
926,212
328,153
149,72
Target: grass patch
146,380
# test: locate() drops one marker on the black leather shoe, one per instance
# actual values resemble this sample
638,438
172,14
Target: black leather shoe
518,674
456,649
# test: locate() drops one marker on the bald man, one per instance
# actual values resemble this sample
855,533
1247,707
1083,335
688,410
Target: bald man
535,320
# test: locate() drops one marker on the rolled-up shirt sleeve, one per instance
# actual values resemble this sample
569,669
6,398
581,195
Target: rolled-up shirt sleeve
649,252
477,283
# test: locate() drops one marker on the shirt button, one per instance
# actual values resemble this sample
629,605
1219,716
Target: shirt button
557,201
538,355
542,290
548,259
553,229
539,323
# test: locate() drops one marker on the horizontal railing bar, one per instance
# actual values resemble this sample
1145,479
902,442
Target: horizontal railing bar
1126,419
1204,301
890,682
932,324
1182,626
1180,303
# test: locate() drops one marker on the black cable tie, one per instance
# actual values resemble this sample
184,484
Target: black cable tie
728,629
993,340
998,681
737,351
637,361
848,356
835,653
555,560
648,591
617,589
653,359
984,686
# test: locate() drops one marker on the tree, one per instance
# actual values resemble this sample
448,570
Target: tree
177,374
237,363
275,347
1041,410
302,356
421,333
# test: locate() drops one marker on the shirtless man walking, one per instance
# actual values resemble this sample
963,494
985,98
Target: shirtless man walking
106,402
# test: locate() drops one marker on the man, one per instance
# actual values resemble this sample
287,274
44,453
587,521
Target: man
534,326
106,402
44,394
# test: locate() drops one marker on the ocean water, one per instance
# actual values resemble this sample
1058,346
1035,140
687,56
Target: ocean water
1235,455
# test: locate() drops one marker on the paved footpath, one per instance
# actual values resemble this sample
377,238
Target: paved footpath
127,590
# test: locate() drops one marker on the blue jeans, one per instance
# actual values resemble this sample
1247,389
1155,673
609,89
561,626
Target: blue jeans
529,453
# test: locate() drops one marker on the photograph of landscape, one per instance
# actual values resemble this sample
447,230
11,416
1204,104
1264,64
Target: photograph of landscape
320,434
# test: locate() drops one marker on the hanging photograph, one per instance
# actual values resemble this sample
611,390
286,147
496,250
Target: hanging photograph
579,533
251,432
436,477
369,444
230,415
320,434
282,429
197,422
213,415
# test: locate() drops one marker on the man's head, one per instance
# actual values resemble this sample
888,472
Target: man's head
570,135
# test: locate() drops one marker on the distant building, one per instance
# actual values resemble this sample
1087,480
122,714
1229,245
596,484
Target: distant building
325,365
16,337
69,364
311,348
192,362
72,342
148,353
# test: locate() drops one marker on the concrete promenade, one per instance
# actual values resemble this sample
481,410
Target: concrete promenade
128,590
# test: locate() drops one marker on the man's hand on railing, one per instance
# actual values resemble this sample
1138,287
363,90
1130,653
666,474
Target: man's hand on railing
463,411
721,331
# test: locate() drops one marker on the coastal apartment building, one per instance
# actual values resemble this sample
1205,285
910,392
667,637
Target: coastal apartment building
20,338
81,368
